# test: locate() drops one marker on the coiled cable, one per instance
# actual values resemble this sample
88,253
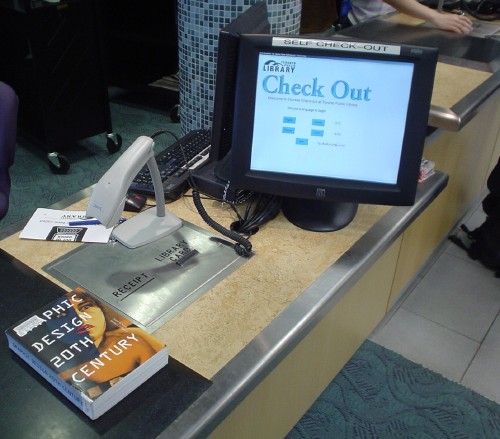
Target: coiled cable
242,246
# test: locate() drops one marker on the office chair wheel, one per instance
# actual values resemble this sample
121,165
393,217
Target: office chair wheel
174,114
58,163
114,142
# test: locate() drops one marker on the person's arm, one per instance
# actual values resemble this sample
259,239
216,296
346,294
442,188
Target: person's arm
442,20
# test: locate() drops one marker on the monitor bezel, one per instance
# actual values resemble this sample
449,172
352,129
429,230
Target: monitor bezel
253,20
403,192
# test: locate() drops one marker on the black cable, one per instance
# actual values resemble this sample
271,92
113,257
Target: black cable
260,209
158,132
243,246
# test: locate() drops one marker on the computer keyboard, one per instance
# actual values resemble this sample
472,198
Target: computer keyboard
188,153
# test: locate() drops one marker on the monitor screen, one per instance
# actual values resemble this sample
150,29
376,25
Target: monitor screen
329,123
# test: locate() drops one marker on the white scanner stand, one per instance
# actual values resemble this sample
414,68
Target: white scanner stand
108,198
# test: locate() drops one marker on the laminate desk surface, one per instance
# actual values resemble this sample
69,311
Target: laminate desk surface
287,260
453,83
468,71
211,331
213,335
230,335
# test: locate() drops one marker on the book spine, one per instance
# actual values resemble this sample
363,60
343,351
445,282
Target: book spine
70,392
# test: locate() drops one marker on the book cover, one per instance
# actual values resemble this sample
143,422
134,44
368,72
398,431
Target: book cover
88,351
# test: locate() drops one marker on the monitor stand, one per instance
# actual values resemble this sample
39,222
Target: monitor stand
318,215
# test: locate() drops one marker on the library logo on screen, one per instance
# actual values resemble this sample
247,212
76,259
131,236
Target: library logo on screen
279,66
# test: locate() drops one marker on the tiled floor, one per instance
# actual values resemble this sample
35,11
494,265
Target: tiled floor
450,321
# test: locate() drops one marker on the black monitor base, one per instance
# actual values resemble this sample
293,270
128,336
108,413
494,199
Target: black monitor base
318,215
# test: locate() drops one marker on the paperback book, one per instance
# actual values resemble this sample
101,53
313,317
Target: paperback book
88,351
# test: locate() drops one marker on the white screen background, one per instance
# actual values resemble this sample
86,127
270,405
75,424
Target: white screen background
331,137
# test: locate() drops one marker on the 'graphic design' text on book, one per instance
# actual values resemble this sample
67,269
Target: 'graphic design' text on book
87,350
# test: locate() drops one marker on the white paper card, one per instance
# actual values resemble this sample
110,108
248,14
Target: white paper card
54,225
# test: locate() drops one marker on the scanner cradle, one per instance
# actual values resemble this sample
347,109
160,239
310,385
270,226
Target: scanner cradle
108,198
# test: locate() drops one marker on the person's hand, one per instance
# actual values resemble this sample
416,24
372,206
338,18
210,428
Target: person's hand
451,22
